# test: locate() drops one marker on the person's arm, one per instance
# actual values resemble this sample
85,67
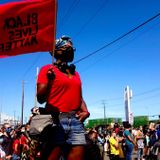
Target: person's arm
42,92
16,147
127,135
113,143
139,136
116,145
131,140
83,112
43,89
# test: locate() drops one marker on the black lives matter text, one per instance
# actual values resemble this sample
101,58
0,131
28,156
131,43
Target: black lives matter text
21,32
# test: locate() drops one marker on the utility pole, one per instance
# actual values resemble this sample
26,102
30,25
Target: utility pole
14,117
22,102
104,109
35,100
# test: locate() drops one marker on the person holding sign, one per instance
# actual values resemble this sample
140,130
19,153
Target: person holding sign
59,85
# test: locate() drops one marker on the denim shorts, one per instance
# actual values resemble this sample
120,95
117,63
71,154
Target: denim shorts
69,130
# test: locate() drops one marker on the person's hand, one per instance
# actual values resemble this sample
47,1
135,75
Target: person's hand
82,115
50,73
135,146
117,139
36,110
8,157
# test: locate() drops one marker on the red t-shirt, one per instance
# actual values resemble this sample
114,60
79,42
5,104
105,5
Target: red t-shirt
23,139
65,93
16,150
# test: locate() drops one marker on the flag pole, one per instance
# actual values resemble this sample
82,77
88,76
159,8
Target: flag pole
54,34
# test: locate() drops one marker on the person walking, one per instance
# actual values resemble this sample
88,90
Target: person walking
59,86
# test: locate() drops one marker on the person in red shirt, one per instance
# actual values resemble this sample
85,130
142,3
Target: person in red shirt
24,143
59,86
16,146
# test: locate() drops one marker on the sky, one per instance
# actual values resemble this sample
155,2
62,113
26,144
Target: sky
105,70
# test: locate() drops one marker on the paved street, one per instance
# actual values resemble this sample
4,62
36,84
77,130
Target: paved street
133,157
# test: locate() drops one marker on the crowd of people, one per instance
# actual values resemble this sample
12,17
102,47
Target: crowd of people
114,142
117,142
15,142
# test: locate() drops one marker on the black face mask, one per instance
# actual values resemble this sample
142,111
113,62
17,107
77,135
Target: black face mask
66,56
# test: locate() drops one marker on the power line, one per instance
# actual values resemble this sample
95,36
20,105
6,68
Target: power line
146,92
100,59
68,13
32,65
119,38
92,17
134,101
